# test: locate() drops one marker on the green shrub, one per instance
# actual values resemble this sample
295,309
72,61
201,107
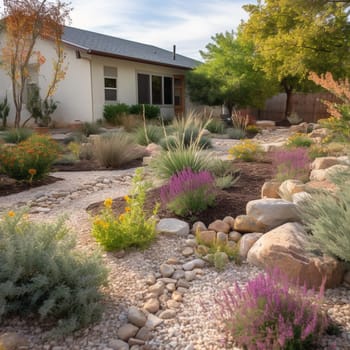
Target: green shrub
246,150
116,149
151,112
327,216
152,134
30,159
252,130
216,126
17,135
42,273
226,175
113,113
90,129
236,133
130,229
299,140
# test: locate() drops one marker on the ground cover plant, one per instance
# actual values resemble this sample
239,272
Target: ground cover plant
17,135
187,193
30,159
43,274
132,228
272,312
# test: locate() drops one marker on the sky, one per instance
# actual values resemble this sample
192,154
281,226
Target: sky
188,24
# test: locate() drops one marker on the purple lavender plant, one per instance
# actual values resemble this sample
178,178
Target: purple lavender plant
292,164
272,313
188,192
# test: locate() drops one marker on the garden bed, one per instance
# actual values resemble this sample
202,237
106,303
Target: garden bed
10,186
231,201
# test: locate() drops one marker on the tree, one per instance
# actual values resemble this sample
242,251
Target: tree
25,23
293,37
228,75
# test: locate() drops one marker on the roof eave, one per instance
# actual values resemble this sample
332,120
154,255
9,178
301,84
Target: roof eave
134,59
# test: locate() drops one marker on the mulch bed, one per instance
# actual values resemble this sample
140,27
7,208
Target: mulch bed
231,201
91,165
7,188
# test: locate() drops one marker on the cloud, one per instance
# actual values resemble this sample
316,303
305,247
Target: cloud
188,24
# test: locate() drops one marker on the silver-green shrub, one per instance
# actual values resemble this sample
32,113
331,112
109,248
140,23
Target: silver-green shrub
42,273
328,217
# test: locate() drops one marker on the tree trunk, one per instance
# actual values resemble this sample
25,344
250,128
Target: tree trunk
288,89
17,118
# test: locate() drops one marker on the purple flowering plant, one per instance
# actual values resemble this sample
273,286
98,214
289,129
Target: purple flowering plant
188,192
272,312
291,164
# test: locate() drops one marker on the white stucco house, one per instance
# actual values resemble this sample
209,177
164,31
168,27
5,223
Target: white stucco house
102,70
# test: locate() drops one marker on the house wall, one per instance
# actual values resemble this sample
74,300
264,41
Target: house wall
76,100
126,82
73,93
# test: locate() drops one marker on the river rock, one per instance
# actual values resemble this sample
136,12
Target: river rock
246,224
219,226
136,316
173,226
127,331
206,237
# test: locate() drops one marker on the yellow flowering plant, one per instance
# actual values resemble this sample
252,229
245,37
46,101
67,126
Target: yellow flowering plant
247,150
132,228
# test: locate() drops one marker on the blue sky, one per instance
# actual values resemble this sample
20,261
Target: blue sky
187,24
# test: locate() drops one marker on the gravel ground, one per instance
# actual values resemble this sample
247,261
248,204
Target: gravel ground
194,327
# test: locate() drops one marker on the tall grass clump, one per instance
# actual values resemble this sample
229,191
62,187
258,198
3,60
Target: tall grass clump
17,135
116,149
291,164
216,126
43,274
189,193
327,217
147,134
182,155
272,313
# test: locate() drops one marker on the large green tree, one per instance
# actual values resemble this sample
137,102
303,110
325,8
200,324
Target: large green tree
228,75
293,37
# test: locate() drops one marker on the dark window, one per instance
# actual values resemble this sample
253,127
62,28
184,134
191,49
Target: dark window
143,88
110,83
168,91
156,90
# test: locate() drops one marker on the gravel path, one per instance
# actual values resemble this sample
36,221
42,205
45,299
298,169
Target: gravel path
193,327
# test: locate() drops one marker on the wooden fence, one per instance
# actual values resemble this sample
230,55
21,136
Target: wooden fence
308,106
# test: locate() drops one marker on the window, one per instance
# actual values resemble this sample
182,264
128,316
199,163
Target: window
155,89
110,84
32,82
143,89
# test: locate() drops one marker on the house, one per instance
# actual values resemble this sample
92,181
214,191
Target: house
102,69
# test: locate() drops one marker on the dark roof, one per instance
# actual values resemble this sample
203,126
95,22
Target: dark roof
105,45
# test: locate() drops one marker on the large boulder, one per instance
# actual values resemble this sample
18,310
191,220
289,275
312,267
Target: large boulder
290,187
324,162
272,212
246,242
285,248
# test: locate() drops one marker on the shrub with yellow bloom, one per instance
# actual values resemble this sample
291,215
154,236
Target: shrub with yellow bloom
247,150
132,228
11,213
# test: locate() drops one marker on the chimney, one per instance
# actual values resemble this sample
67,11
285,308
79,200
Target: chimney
174,52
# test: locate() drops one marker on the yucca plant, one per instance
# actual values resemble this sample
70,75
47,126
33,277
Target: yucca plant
180,155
